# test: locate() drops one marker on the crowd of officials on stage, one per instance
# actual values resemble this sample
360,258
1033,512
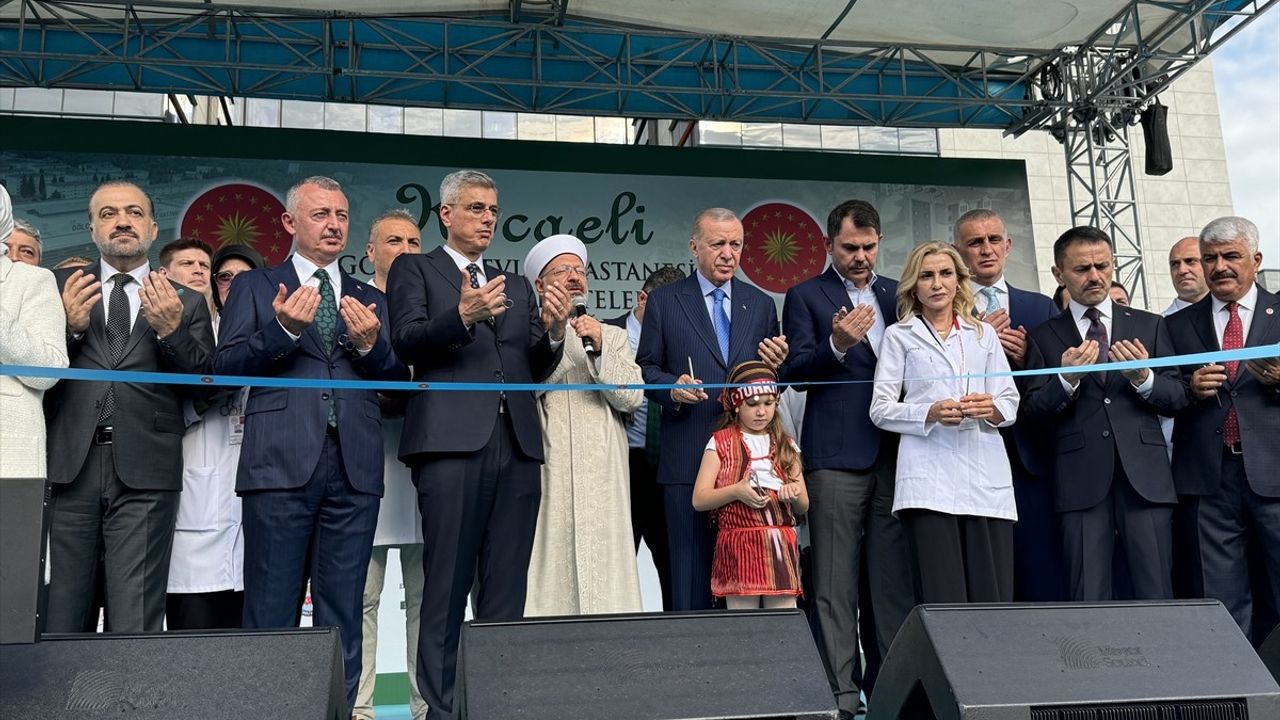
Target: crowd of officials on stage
929,473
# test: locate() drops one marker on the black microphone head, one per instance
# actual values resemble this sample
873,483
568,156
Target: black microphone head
579,305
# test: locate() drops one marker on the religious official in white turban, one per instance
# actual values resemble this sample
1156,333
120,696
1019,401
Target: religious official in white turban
584,560
33,331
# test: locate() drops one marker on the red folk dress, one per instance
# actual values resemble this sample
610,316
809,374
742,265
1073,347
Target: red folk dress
756,550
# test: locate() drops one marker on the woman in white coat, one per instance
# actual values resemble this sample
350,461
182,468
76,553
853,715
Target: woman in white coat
33,331
954,491
206,568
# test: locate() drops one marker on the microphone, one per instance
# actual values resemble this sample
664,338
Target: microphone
580,309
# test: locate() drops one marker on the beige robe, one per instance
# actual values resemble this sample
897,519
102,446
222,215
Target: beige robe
584,558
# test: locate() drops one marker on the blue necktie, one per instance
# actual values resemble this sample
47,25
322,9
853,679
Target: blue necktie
993,300
721,320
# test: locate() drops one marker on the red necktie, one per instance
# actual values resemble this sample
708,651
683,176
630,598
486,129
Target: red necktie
1232,339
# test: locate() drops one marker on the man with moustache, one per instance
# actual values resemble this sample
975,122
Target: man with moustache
311,462
694,331
834,323
984,244
115,494
1112,482
392,234
1226,461
474,455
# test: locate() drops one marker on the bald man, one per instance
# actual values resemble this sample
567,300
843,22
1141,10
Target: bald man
1185,272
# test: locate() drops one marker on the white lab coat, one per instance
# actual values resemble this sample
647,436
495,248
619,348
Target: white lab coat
958,470
208,540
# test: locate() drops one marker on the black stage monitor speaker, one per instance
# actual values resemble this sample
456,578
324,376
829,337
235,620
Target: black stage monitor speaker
229,675
659,666
1181,660
24,511
1270,653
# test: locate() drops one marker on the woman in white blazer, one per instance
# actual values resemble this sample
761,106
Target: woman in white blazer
33,331
954,491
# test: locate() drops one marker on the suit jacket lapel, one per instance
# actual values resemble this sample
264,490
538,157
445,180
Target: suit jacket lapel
140,328
833,287
491,272
695,308
741,320
1260,326
443,264
286,274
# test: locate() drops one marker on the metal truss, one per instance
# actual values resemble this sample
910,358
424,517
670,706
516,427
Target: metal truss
544,61
1100,190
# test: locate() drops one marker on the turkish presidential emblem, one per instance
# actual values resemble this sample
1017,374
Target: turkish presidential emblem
239,214
784,246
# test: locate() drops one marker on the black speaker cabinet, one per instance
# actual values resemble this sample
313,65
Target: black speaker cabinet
24,514
723,665
229,675
1180,660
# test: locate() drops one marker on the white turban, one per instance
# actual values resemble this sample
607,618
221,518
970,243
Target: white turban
548,249
6,220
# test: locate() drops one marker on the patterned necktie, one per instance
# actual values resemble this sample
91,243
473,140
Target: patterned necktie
721,319
327,326
1232,339
118,327
473,271
993,300
1097,332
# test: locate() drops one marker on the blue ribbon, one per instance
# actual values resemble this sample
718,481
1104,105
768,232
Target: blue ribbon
1207,358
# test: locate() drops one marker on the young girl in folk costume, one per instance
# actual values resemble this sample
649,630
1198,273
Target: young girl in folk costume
751,483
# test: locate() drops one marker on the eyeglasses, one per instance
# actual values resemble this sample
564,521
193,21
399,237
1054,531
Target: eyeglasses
226,276
560,270
477,209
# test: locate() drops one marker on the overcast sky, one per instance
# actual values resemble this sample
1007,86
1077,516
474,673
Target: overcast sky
1247,70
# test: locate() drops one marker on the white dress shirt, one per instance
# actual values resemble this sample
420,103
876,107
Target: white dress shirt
1244,308
307,278
1105,310
133,290
462,262
955,469
1175,306
865,295
1002,294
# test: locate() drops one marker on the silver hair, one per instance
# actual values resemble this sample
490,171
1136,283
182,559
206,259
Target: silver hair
453,183
715,214
395,214
1229,229
26,227
320,181
973,215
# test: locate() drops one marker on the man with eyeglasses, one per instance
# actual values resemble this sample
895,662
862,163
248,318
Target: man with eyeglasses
585,485
474,455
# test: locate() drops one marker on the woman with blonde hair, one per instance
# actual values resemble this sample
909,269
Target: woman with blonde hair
942,384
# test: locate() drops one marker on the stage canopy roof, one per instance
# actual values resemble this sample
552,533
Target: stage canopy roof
1012,64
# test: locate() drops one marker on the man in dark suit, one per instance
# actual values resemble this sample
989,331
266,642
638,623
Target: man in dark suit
648,520
834,323
311,461
474,455
695,331
115,449
1226,460
1112,481
983,243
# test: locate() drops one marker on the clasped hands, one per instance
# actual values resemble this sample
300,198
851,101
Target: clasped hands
1088,352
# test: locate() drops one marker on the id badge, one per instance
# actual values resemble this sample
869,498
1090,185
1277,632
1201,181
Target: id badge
235,429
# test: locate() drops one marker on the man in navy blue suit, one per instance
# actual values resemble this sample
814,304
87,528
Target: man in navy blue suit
983,243
311,463
694,331
835,322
